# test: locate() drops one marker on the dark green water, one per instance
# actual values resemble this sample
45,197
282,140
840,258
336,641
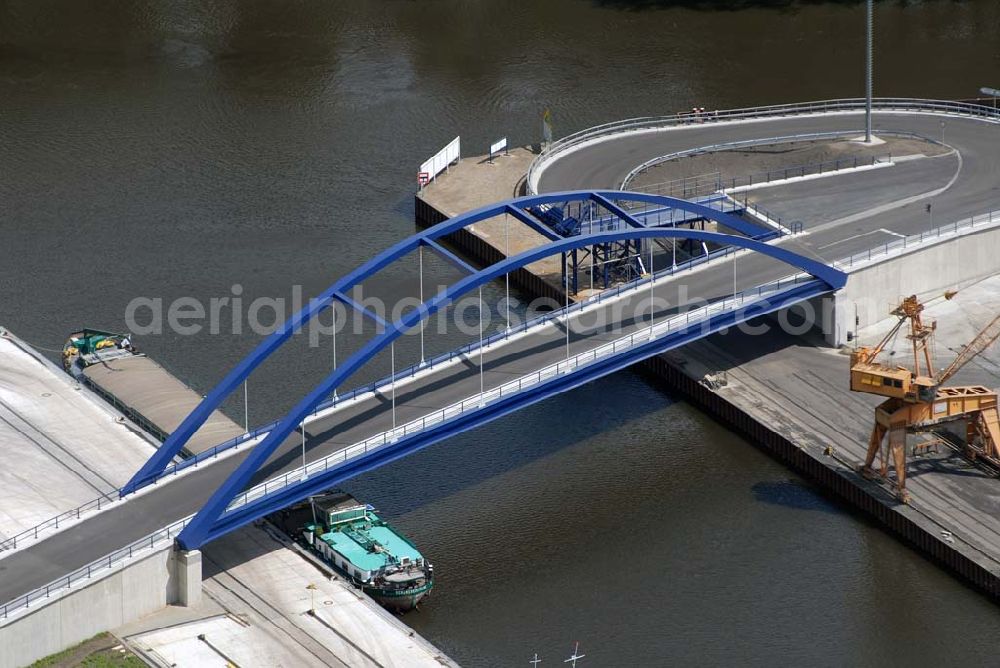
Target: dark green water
171,149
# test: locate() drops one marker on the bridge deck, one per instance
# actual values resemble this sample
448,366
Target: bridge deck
173,499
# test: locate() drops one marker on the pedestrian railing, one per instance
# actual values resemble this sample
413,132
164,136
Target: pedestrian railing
901,245
156,540
650,123
699,316
223,448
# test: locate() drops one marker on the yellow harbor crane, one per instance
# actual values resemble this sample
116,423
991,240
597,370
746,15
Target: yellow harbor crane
917,399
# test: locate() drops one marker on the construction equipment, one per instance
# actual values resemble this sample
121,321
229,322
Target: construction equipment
917,401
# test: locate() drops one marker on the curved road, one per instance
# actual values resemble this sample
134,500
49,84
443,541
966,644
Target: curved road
971,184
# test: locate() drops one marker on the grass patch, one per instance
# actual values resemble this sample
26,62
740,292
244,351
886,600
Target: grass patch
97,652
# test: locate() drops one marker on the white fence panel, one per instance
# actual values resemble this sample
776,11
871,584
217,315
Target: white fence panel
451,153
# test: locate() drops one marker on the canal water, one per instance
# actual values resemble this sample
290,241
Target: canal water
176,149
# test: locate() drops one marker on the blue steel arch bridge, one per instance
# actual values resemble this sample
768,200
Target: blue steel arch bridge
610,234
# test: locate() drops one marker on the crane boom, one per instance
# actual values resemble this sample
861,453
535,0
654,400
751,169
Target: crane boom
983,340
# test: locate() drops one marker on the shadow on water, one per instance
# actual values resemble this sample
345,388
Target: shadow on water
792,494
531,434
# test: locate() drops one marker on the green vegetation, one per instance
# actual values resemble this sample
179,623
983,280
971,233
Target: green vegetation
98,652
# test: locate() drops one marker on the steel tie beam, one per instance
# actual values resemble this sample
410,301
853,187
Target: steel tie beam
340,296
448,255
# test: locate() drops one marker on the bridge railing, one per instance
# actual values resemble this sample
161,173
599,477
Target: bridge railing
900,245
642,336
845,264
649,123
104,500
165,536
95,505
686,188
54,523
158,539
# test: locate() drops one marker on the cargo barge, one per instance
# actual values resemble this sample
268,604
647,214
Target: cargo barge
144,391
365,549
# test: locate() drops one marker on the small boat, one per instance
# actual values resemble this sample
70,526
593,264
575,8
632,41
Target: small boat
368,551
93,346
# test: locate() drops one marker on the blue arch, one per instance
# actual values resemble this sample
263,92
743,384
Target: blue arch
514,207
201,527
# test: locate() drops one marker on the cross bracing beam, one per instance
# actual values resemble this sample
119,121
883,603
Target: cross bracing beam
451,257
532,222
340,296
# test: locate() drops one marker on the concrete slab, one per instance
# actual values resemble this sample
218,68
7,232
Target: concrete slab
958,321
256,575
62,445
474,182
256,612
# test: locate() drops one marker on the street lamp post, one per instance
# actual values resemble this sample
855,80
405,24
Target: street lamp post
869,19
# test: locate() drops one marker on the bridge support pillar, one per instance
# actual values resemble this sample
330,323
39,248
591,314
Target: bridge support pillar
188,577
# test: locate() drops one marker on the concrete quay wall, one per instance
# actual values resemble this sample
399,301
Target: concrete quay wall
833,476
126,594
874,289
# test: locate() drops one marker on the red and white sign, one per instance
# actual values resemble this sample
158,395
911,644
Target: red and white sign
423,178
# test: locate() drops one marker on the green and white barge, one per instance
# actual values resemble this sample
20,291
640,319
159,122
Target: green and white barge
368,551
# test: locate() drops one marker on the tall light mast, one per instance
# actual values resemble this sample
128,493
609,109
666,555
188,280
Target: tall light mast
868,73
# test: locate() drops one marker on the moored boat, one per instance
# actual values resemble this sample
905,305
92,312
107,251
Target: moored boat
92,346
367,550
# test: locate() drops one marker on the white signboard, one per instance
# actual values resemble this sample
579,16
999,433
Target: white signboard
499,145
451,153
990,92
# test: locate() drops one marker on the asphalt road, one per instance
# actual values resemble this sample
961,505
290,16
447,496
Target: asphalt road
837,232
830,208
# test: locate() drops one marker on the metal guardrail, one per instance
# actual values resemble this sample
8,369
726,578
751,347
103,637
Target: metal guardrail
732,146
768,141
886,250
53,522
104,500
476,402
913,105
897,246
644,335
410,371
697,188
159,538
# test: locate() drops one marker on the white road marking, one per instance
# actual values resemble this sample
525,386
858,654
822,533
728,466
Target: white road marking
881,230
